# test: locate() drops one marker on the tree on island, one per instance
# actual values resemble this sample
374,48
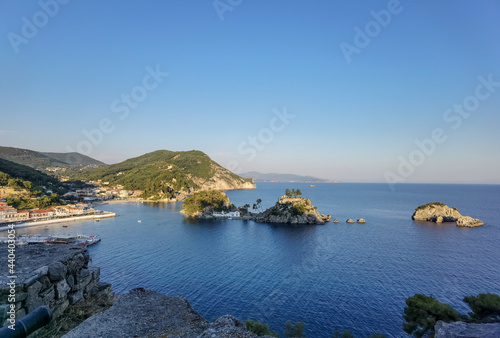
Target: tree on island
200,201
257,205
293,193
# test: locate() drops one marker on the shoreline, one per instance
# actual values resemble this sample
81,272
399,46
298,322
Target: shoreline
60,220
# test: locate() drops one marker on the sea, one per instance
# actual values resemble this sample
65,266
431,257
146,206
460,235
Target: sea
331,277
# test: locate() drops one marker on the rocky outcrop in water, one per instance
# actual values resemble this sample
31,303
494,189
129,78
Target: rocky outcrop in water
462,330
439,212
292,210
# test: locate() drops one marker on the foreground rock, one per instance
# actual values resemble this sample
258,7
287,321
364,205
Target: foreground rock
439,213
462,330
145,313
292,210
53,275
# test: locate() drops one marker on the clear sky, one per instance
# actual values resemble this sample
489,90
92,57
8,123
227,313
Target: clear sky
337,89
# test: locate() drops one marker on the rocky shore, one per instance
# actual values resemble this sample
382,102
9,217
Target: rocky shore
438,212
146,313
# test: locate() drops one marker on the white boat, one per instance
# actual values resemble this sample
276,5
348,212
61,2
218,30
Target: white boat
139,221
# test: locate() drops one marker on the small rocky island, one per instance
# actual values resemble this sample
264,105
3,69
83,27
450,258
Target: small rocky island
290,209
439,212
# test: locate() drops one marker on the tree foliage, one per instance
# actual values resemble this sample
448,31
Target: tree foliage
485,307
203,200
260,329
344,334
422,313
294,330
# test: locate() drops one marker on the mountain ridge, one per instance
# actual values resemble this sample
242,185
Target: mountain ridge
277,177
166,174
43,160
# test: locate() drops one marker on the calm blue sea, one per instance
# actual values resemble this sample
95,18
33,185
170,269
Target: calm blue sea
332,277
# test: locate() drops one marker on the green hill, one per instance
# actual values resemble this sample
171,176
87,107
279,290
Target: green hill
25,187
22,172
164,174
71,162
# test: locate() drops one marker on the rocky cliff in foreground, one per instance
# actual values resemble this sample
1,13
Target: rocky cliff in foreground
462,330
292,210
145,313
438,212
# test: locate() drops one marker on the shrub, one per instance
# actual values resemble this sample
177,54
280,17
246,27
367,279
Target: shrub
486,306
344,334
294,330
259,328
202,200
422,313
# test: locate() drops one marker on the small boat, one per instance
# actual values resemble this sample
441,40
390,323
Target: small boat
65,226
139,221
97,220
312,186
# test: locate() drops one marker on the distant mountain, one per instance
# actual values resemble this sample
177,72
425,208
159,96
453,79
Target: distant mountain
165,174
42,161
275,177
74,159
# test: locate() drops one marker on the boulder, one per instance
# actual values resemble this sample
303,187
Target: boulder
143,313
466,221
462,330
57,271
361,220
335,220
227,327
350,221
439,213
436,212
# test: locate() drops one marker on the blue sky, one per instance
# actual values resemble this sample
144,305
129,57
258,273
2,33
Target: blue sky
64,69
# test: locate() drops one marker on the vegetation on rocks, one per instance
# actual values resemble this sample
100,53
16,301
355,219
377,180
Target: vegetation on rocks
294,330
202,201
485,307
260,329
432,205
292,210
423,312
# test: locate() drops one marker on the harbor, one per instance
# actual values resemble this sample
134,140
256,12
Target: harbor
28,223
80,240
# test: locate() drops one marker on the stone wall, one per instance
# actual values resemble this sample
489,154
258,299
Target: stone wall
52,275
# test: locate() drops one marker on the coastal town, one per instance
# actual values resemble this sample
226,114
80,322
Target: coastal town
80,206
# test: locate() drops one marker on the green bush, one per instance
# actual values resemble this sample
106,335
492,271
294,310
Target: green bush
345,334
486,306
259,328
422,313
203,200
294,330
